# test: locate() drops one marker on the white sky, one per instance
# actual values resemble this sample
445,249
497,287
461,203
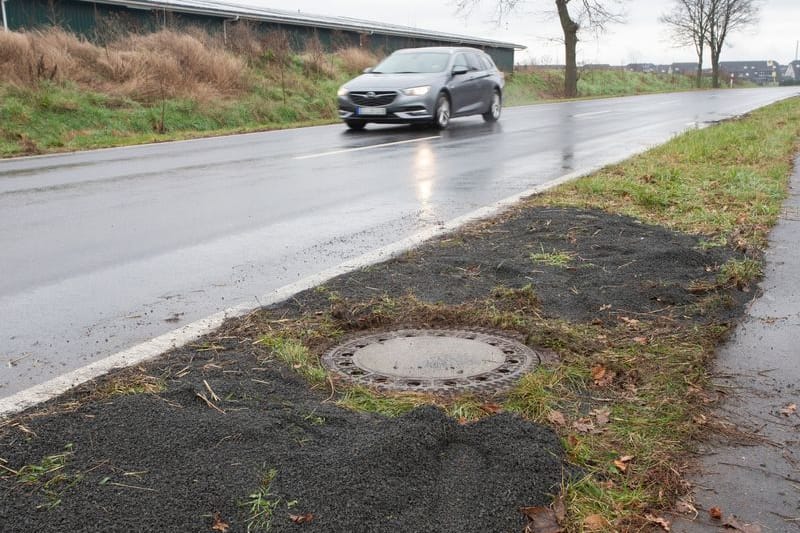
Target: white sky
642,40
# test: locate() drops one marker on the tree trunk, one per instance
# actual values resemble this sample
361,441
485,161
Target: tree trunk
699,81
714,68
570,28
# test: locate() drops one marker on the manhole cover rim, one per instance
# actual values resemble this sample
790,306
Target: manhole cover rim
519,360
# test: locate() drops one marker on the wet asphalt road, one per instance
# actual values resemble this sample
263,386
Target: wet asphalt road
102,250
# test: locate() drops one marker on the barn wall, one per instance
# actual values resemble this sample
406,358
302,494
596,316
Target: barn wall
98,21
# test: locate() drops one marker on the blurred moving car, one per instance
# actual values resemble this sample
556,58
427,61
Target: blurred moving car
424,85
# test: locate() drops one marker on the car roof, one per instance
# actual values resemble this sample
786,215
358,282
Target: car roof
447,49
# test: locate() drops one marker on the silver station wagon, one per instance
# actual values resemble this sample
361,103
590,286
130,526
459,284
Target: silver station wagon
424,85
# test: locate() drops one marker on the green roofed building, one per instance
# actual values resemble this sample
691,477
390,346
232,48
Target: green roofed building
93,18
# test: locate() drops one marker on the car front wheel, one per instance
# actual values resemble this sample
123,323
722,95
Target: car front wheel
441,115
355,124
493,114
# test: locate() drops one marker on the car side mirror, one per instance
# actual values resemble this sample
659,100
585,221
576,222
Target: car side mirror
367,70
457,71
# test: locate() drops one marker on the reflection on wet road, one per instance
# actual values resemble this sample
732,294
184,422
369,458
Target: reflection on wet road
105,249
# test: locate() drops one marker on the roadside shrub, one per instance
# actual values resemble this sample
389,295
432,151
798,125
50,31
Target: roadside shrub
143,67
355,60
315,60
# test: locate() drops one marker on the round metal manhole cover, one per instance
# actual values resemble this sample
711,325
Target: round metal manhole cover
432,360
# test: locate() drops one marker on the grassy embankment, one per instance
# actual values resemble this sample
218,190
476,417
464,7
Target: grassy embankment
627,398
60,93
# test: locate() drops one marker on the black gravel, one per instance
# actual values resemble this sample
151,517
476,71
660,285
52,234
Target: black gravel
170,462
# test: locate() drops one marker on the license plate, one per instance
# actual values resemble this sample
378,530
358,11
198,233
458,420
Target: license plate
372,111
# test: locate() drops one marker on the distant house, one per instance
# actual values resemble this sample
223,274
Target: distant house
759,72
792,72
85,17
640,67
683,68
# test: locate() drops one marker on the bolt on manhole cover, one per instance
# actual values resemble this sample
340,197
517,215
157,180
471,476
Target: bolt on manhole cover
432,360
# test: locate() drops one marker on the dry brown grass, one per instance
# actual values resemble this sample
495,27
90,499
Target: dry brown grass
355,60
143,67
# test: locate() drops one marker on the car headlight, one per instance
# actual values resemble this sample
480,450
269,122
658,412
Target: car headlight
342,91
417,91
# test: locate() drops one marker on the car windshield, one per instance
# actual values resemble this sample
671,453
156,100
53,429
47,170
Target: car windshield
415,62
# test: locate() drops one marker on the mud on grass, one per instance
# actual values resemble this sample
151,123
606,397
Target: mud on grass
184,443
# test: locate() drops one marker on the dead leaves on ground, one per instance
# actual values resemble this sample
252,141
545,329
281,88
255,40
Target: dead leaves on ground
789,410
602,376
219,524
545,519
540,520
301,518
661,522
589,424
622,463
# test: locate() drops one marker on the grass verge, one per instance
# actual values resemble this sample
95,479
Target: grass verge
627,397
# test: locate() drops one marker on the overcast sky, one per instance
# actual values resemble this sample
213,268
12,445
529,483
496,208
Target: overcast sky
642,39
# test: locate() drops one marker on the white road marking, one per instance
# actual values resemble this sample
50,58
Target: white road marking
591,114
179,337
362,148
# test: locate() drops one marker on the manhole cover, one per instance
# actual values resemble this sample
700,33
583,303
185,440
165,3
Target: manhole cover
432,360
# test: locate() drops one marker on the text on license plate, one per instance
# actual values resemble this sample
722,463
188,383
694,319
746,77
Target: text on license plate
371,111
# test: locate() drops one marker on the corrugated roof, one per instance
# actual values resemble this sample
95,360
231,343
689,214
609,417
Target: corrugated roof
233,10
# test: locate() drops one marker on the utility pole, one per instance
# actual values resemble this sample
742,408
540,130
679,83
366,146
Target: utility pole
3,8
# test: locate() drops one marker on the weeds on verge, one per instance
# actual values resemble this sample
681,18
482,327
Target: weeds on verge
262,505
48,476
554,258
726,182
295,355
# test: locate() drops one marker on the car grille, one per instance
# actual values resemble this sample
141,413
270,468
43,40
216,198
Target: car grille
373,98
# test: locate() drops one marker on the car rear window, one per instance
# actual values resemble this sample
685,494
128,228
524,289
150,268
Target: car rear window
413,62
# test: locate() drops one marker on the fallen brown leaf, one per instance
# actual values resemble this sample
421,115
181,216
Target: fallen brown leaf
622,462
301,518
594,522
598,372
492,408
602,376
602,416
218,524
557,418
572,440
583,425
640,340
629,321
715,513
789,410
540,520
662,522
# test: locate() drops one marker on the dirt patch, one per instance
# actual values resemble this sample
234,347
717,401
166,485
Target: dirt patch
196,453
616,266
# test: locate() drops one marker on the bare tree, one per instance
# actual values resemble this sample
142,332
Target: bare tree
725,17
574,16
689,24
